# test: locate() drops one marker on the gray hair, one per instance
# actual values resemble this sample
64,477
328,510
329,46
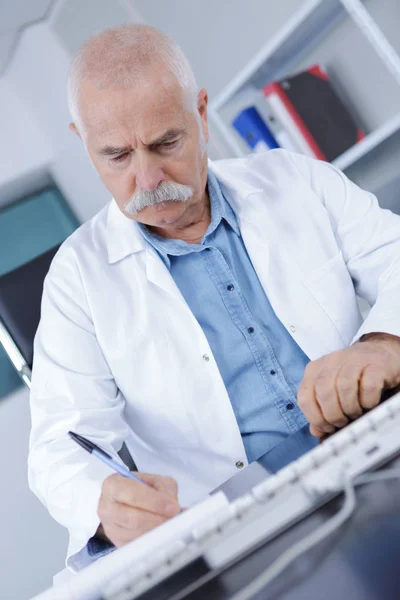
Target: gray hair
120,55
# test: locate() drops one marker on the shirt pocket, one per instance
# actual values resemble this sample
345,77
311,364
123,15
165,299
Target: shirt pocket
332,288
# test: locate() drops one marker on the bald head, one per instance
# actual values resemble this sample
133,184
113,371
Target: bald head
127,57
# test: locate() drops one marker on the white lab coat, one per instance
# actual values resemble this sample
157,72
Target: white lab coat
120,357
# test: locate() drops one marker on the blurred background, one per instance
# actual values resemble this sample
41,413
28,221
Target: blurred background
319,76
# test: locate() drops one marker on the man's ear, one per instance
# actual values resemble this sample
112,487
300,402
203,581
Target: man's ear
74,129
202,102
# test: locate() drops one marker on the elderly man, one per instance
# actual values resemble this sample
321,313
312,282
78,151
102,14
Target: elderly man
207,316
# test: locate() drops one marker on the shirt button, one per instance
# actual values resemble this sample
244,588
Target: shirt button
239,464
290,406
292,328
272,372
206,358
230,287
251,330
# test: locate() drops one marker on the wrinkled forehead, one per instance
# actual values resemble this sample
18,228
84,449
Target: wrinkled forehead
139,110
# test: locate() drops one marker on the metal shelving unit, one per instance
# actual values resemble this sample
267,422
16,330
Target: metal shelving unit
280,55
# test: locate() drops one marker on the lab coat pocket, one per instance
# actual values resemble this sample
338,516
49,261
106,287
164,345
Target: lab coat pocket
332,287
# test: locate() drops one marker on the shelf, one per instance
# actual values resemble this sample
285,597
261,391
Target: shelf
304,30
307,27
276,58
370,142
356,152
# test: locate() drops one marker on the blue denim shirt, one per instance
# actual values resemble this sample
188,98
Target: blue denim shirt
260,363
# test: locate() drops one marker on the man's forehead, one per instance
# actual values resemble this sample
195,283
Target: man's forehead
150,98
126,114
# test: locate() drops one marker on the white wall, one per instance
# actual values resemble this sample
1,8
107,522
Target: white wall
32,544
25,151
38,76
75,21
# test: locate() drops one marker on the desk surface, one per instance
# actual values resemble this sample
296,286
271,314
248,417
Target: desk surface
359,562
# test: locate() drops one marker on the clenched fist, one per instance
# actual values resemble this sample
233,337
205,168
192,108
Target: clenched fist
127,509
337,387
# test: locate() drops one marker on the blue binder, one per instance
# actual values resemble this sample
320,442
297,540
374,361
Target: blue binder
252,128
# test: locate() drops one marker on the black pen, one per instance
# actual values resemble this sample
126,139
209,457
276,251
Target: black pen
103,456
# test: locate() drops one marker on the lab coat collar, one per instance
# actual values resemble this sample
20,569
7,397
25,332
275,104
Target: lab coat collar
233,181
124,236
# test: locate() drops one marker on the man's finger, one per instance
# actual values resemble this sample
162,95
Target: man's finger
328,400
371,386
139,495
317,432
160,482
347,386
135,520
308,404
122,535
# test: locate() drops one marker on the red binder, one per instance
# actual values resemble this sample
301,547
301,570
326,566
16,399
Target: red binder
308,106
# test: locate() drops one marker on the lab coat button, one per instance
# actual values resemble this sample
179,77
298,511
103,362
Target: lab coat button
292,328
239,464
206,358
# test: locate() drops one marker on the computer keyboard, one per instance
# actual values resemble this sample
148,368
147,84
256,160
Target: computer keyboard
272,505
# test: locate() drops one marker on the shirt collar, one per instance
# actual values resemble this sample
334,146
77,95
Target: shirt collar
220,208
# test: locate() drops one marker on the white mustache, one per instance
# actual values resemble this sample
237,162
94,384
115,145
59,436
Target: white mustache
164,192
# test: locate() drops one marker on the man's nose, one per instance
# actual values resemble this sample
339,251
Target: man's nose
148,175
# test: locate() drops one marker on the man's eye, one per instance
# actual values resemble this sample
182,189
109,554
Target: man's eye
170,144
119,158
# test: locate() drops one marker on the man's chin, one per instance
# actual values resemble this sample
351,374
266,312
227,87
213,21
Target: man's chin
164,213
